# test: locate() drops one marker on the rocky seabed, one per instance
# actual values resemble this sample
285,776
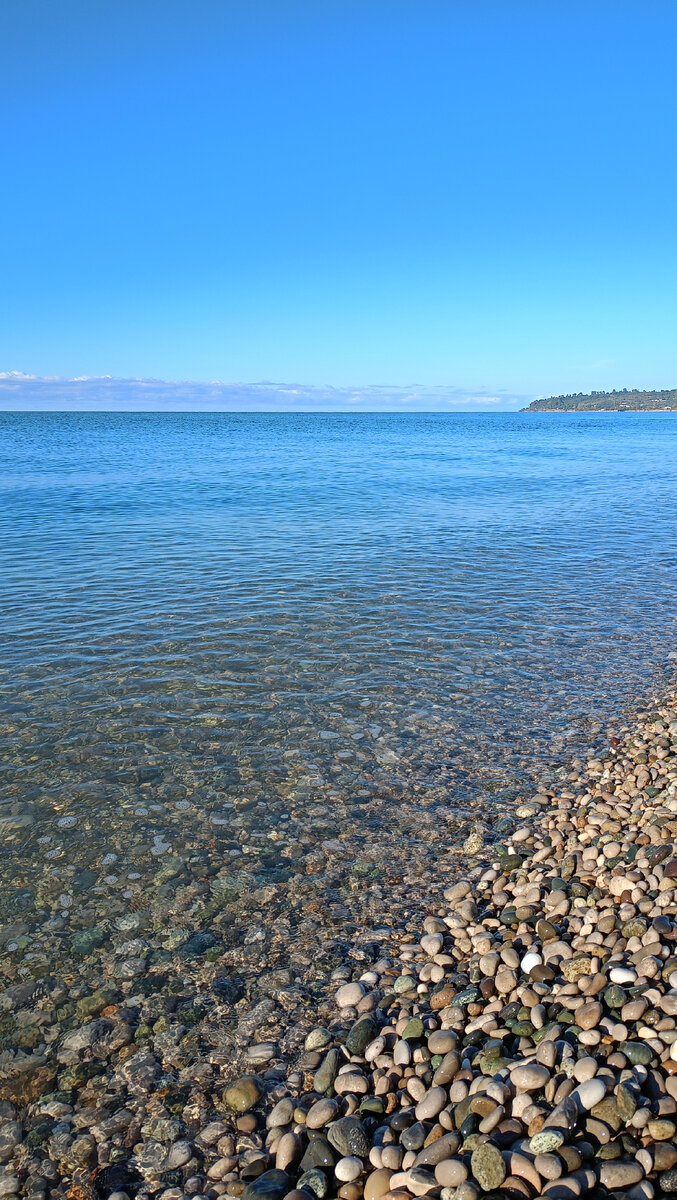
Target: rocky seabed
521,1044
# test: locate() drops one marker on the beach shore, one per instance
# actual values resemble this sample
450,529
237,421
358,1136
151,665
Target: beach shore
516,1041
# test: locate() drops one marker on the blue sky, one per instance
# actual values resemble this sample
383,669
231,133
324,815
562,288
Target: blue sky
477,197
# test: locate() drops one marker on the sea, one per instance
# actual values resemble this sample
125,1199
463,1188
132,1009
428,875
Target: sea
285,663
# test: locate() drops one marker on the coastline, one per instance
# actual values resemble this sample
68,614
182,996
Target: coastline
533,1004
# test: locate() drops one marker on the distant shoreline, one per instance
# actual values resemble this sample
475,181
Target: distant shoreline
608,411
626,401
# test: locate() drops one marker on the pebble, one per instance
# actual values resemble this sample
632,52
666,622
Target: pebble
488,1167
321,1113
529,1078
589,1093
349,995
348,1169
349,1136
432,1103
377,1184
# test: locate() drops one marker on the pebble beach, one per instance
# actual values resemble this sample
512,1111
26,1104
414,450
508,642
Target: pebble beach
513,1035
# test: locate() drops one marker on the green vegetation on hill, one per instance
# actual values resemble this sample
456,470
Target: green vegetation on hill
625,401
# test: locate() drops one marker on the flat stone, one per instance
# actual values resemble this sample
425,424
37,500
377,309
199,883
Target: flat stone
607,1111
420,1181
414,1030
627,1098
619,1174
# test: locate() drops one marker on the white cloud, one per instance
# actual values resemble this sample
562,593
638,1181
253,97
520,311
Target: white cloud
106,393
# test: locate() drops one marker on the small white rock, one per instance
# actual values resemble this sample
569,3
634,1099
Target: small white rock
431,943
622,975
590,1093
349,994
374,1049
530,961
348,1169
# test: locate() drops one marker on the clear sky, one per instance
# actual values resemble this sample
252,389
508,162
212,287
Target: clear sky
472,195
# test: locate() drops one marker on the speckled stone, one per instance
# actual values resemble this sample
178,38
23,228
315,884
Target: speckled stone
488,1167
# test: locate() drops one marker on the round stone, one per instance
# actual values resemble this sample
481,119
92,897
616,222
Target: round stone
622,975
530,961
348,1169
530,1077
377,1184
349,994
242,1095
546,1141
451,1173
321,1113
360,1036
317,1038
281,1114
487,1166
589,1015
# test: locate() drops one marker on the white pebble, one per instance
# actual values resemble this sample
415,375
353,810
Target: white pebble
349,994
530,961
348,1169
622,975
589,1094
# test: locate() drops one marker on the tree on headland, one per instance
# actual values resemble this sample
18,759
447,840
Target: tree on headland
616,401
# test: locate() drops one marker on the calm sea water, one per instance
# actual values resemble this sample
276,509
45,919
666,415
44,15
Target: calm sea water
243,638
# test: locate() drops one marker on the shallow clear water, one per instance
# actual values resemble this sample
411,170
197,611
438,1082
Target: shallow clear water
307,646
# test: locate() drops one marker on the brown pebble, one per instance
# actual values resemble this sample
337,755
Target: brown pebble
513,1185
350,1191
588,1016
451,1173
549,1166
246,1124
377,1184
